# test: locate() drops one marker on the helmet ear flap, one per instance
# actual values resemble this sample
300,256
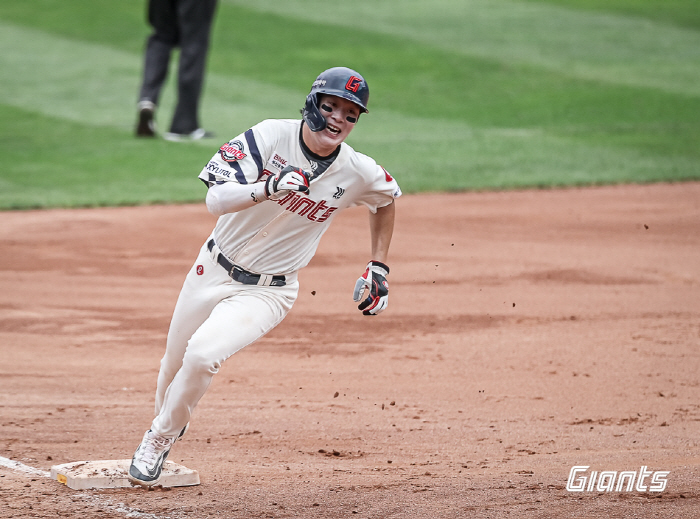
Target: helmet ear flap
312,115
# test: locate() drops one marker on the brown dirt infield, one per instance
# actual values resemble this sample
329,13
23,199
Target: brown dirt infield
527,332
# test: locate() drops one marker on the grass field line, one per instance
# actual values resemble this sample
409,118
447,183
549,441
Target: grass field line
95,85
64,78
101,501
612,48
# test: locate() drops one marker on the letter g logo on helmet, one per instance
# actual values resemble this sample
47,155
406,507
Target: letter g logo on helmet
353,84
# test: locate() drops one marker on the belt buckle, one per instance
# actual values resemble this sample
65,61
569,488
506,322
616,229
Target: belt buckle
248,278
243,276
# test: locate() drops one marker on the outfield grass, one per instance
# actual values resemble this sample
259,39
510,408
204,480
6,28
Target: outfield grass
466,94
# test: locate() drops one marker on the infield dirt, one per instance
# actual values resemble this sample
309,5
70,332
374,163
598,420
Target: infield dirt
527,332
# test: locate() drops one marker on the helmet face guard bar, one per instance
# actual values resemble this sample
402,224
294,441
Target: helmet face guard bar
340,82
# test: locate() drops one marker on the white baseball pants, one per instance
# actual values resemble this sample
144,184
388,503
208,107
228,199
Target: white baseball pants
214,317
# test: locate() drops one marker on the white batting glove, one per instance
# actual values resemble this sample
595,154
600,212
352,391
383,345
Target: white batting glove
289,179
373,280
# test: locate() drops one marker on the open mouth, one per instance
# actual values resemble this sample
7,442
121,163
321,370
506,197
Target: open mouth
333,129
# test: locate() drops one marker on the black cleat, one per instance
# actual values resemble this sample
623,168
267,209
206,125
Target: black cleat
146,126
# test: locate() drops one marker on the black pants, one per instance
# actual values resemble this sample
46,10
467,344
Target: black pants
185,24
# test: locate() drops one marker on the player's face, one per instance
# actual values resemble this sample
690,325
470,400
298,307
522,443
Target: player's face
341,116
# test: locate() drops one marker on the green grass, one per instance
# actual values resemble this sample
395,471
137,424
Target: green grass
69,164
684,13
466,94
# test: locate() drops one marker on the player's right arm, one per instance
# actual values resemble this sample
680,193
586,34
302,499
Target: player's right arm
231,197
235,175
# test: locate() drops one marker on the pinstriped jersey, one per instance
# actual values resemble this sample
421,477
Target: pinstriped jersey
281,236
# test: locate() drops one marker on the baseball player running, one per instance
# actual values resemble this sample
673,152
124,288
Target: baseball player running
275,188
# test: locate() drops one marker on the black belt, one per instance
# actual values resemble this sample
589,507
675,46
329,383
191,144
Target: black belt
243,276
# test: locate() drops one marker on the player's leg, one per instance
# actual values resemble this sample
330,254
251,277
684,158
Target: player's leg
205,285
234,323
195,18
244,315
159,47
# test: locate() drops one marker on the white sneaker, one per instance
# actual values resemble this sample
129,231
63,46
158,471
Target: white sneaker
197,135
147,463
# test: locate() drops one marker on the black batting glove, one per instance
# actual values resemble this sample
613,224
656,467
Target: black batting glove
373,280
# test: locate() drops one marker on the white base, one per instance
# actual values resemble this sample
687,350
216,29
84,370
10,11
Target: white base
82,475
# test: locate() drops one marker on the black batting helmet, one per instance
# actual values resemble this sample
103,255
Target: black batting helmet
338,81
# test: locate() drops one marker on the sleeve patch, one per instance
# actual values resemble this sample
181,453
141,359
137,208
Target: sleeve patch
232,152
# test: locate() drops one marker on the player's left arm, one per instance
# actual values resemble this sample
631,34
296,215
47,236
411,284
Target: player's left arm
381,226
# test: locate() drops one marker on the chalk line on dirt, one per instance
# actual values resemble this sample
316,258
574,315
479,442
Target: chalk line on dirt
102,501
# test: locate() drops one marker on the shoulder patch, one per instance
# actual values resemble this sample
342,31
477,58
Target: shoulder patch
232,151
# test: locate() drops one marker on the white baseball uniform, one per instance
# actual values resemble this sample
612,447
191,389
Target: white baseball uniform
263,245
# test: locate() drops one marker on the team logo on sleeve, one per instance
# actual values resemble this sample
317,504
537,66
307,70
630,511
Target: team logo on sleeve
388,177
232,151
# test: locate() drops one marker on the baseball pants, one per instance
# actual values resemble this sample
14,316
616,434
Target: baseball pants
214,318
185,24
